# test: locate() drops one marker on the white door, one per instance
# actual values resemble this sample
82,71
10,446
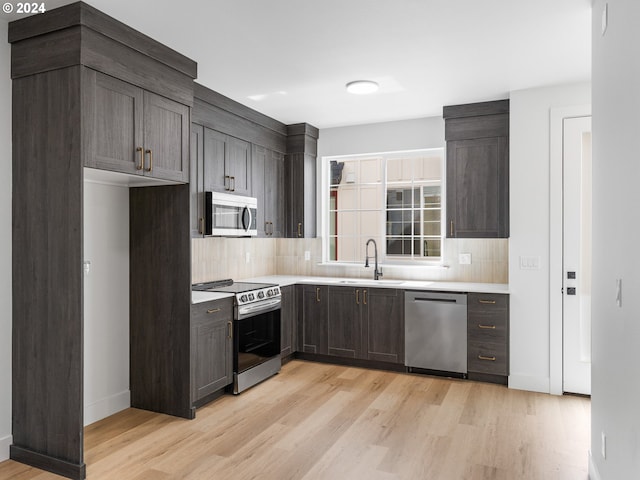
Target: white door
576,305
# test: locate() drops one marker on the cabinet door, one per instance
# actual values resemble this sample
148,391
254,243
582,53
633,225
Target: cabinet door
166,138
344,323
238,165
274,193
300,181
383,325
478,188
287,321
313,329
212,353
215,152
114,119
196,180
258,184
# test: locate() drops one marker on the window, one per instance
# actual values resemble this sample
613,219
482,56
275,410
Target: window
394,198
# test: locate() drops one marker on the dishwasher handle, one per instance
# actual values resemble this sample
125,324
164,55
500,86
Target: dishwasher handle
441,300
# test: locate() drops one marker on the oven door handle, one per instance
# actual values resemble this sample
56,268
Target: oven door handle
263,307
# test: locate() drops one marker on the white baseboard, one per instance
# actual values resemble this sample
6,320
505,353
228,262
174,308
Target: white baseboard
593,470
529,383
106,407
5,442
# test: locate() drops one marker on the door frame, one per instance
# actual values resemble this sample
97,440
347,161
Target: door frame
556,137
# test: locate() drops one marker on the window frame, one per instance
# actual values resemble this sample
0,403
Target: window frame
383,257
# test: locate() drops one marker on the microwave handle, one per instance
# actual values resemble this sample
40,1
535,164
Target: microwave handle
246,224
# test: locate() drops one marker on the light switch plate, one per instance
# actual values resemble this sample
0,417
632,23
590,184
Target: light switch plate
529,263
307,255
464,259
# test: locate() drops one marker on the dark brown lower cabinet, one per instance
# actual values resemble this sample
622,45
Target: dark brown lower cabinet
488,336
212,347
366,323
288,321
383,330
345,322
312,320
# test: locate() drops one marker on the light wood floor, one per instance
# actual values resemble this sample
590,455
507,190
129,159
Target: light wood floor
316,421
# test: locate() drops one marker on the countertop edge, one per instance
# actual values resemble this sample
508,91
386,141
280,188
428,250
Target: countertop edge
466,287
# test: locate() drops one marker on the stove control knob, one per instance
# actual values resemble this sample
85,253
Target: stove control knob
243,298
251,297
260,294
269,293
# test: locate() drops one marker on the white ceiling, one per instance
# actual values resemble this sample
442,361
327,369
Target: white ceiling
295,56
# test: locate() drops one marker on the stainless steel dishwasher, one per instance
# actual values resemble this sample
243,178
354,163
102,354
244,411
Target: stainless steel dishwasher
436,331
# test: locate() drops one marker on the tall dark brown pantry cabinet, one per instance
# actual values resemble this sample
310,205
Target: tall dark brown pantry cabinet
88,91
477,138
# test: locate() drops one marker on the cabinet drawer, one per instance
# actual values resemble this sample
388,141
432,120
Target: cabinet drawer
487,327
491,302
211,311
485,357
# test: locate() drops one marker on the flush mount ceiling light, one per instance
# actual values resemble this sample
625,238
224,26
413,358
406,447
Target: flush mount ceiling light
362,87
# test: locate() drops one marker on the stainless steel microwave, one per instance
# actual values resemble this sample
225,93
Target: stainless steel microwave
229,215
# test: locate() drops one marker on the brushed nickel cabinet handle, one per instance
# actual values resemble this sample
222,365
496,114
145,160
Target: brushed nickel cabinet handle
140,166
364,297
229,329
451,228
233,179
150,152
318,294
227,182
487,327
213,310
357,297
490,359
299,229
201,225
487,302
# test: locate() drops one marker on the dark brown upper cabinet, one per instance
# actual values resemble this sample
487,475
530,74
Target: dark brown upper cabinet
248,153
134,131
477,180
227,163
268,187
300,181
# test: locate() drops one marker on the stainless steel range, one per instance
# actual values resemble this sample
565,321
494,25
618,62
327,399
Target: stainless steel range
256,330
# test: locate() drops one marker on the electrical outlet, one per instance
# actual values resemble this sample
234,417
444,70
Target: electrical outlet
464,259
307,255
247,257
604,445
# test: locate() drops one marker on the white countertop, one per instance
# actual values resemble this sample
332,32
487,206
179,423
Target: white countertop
284,280
199,297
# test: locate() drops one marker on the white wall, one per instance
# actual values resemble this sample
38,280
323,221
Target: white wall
5,245
382,137
529,226
615,396
106,300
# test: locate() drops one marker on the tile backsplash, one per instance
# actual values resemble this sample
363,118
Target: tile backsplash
216,258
